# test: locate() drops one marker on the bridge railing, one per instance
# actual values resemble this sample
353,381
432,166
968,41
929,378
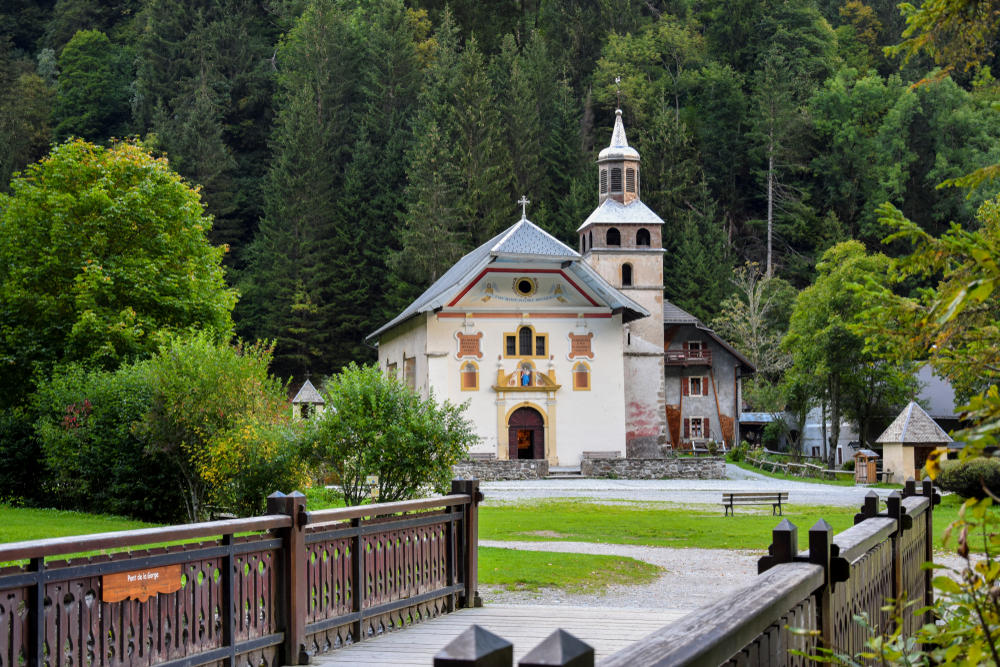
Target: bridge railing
858,570
264,591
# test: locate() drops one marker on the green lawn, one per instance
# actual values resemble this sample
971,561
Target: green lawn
575,573
666,524
21,523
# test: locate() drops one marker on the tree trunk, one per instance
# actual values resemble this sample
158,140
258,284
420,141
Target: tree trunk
770,201
835,425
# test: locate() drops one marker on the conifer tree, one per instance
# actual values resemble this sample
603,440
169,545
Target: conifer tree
93,96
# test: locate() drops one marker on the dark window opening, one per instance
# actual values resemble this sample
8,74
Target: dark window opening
511,346
524,340
616,180
626,275
614,237
642,237
524,286
604,181
539,346
630,180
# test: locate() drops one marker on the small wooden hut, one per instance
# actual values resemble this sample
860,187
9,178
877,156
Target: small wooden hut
307,402
865,466
908,441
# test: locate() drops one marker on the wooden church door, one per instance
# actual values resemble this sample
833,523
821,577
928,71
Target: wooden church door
526,434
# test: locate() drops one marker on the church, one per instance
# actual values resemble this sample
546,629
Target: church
562,352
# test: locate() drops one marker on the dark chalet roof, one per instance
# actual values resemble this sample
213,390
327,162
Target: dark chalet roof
675,315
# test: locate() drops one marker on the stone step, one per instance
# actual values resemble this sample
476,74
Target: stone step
563,472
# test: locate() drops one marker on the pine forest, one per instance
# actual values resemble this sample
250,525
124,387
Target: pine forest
349,151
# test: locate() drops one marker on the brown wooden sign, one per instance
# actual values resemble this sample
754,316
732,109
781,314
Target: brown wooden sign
468,345
140,584
580,346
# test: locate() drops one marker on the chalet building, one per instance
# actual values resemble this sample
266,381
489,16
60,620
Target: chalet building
562,351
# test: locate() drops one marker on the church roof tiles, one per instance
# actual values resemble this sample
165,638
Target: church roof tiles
612,212
523,240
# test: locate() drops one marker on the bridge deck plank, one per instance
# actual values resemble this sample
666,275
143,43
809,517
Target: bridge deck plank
606,629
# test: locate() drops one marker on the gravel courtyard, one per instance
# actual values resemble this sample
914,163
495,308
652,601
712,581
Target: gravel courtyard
692,577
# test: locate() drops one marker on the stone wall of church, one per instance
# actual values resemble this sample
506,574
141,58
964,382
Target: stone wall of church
495,470
661,468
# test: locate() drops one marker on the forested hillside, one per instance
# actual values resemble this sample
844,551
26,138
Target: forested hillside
350,151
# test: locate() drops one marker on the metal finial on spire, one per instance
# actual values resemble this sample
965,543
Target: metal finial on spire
523,201
618,91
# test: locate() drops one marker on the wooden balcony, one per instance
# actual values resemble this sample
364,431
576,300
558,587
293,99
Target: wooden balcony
687,357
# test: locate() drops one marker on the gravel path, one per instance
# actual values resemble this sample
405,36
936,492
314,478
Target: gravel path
703,491
692,577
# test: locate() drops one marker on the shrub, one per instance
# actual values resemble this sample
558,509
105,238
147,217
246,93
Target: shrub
848,465
773,432
248,462
375,426
966,478
739,452
98,462
22,464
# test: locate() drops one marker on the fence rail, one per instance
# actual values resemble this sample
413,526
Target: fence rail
264,591
820,592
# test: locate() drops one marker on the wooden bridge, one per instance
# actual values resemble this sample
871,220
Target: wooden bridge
294,585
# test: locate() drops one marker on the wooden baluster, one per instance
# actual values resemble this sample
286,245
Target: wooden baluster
470,534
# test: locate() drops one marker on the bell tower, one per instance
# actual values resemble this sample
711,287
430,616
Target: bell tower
622,238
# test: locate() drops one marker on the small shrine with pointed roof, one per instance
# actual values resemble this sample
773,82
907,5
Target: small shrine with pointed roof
908,441
560,353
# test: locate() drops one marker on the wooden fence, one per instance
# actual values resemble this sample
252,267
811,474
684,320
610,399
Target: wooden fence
859,570
799,469
266,591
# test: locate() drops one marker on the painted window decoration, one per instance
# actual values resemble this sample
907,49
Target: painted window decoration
694,386
410,372
470,376
696,428
580,345
642,237
581,376
613,237
469,345
626,275
525,342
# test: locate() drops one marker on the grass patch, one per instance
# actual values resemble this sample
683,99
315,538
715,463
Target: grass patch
516,570
668,524
19,524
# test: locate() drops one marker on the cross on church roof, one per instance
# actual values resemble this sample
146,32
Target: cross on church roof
523,201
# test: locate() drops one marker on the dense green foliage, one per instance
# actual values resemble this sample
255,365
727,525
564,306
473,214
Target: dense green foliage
102,250
373,425
971,478
349,152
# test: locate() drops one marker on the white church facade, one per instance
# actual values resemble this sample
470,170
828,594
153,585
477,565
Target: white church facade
557,351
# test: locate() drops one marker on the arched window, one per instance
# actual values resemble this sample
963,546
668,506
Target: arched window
583,243
614,237
470,376
604,181
626,275
630,180
591,240
642,237
581,377
616,179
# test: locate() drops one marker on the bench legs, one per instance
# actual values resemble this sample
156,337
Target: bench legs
728,510
776,509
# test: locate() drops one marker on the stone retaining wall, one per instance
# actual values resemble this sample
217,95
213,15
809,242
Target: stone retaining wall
701,467
494,470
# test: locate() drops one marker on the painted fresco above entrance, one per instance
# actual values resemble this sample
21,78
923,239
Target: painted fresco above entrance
506,288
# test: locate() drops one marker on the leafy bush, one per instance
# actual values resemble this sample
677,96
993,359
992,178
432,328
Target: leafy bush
245,464
848,465
739,452
773,432
99,463
22,465
966,478
375,426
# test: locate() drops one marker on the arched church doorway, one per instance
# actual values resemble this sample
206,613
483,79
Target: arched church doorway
526,433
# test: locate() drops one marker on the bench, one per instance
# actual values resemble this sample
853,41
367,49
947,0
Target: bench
603,455
773,498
